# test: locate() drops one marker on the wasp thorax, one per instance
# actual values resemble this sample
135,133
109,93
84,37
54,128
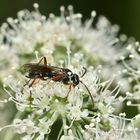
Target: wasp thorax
70,73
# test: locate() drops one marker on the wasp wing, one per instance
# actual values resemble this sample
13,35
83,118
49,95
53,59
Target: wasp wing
55,73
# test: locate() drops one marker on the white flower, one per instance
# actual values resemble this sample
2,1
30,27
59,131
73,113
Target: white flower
131,62
79,105
25,126
6,62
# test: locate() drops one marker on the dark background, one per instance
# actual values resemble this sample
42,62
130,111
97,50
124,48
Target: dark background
125,13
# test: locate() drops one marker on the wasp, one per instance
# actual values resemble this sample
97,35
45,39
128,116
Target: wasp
43,71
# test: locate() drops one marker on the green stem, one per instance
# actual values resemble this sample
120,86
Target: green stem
60,132
64,124
74,131
79,129
47,137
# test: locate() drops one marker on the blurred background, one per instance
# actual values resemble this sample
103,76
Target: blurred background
125,13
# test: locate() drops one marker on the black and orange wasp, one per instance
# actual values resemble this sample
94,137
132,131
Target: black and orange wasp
43,71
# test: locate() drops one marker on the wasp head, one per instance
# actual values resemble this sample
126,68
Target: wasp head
75,79
70,78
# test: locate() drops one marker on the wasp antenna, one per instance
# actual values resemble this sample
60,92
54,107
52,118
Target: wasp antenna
85,71
88,92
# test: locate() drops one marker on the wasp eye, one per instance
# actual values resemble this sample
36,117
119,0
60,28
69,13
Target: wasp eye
75,79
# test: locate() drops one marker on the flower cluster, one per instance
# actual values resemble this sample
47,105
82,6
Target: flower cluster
131,61
51,109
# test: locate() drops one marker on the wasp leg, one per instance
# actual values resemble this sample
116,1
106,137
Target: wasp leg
69,91
56,78
30,85
44,61
25,85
